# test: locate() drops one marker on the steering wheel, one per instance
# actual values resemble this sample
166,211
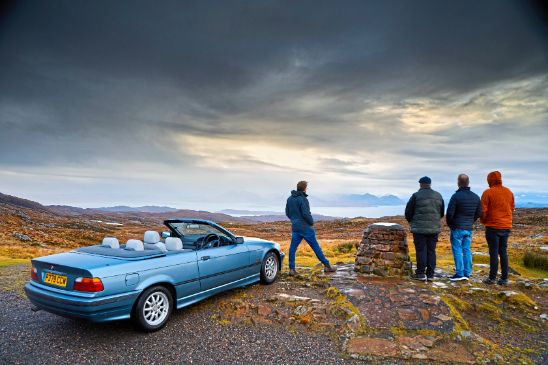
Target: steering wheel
209,240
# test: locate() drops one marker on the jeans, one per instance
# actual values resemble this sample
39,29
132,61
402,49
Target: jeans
309,235
497,239
425,247
461,240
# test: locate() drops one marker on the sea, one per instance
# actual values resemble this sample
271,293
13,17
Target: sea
342,212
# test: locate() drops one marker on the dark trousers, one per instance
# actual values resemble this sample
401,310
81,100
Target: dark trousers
425,247
497,239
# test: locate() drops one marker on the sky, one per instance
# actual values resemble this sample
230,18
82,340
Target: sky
208,104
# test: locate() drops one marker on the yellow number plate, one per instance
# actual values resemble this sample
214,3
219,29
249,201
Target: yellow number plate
59,280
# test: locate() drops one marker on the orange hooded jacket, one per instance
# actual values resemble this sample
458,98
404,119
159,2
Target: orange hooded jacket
497,203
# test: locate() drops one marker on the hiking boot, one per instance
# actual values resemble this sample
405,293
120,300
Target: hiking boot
431,278
419,277
458,278
502,282
489,281
293,272
329,268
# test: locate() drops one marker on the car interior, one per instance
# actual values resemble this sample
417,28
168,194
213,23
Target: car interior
199,236
182,236
151,241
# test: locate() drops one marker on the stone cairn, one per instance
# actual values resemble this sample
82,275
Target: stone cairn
383,251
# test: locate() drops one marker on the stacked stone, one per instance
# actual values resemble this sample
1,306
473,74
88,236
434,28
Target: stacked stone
383,251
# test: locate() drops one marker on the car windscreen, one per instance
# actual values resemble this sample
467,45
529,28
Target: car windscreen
195,230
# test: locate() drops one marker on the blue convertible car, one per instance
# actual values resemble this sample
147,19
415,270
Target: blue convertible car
145,280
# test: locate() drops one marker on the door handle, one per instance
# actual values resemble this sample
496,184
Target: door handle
205,258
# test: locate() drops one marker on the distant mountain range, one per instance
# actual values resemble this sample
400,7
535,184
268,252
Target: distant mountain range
248,212
158,213
359,200
144,209
268,216
150,213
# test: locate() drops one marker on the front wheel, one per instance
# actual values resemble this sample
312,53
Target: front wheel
269,268
153,309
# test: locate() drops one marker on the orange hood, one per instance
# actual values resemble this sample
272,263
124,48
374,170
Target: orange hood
494,178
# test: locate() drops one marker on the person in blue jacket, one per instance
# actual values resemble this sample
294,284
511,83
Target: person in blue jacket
297,210
463,210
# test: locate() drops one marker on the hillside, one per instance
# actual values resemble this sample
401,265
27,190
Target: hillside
20,202
28,228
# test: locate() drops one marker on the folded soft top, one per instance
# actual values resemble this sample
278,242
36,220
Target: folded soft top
121,253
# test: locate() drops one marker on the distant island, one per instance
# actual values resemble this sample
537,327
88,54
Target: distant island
359,200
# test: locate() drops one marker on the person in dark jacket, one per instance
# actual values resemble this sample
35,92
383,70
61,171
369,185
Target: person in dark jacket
424,210
297,210
463,210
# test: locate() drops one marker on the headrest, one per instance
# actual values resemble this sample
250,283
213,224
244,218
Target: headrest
135,245
174,244
111,242
156,246
151,237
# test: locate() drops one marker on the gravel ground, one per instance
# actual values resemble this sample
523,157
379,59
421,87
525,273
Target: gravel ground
191,337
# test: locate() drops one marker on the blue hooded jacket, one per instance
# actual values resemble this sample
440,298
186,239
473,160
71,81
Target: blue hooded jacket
463,210
297,210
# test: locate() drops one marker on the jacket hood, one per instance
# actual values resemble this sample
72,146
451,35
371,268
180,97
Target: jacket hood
298,193
494,178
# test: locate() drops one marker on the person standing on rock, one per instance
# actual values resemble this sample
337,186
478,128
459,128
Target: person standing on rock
497,205
297,210
423,211
463,210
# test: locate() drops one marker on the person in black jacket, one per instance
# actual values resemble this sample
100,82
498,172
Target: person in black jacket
297,210
463,210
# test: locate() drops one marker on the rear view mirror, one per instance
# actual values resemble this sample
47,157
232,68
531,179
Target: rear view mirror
239,240
166,234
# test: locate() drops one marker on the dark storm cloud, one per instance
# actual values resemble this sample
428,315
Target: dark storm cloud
82,81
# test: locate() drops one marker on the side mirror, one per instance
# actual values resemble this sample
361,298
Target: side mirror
166,234
239,240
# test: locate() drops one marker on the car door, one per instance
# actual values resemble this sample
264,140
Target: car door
222,265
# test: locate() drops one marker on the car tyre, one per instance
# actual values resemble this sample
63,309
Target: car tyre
270,268
153,309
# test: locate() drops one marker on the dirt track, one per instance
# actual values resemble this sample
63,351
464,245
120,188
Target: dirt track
192,336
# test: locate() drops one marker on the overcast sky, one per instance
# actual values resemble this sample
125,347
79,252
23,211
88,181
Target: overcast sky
230,103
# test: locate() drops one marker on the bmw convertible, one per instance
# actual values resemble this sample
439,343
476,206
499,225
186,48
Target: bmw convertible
146,280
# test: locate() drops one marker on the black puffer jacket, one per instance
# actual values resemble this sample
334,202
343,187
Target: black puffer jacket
297,210
463,210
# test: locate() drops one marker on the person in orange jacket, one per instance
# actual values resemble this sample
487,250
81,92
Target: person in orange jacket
497,204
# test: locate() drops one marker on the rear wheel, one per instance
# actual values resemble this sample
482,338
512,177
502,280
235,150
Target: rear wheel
153,308
269,268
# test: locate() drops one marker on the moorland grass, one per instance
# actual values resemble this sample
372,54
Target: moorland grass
8,261
536,260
